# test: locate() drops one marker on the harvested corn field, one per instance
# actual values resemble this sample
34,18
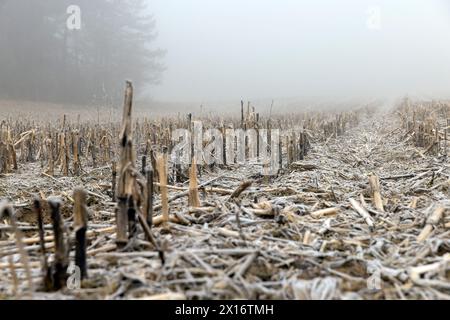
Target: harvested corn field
232,156
357,208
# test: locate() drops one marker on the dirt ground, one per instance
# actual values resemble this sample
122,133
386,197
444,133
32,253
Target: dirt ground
238,250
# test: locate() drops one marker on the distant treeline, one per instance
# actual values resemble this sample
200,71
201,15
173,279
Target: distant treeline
45,56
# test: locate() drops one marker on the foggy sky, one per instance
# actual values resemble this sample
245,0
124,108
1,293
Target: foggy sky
257,49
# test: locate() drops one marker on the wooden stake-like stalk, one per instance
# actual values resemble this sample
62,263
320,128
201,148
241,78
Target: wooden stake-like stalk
127,158
80,212
149,204
60,264
51,167
193,198
374,183
113,182
47,281
76,156
161,163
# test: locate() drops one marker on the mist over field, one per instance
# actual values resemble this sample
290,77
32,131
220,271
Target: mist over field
284,49
215,53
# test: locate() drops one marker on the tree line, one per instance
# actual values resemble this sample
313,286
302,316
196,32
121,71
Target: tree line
43,59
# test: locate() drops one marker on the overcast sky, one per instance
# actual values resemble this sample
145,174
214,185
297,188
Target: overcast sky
233,49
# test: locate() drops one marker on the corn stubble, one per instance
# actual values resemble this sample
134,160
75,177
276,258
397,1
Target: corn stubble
359,193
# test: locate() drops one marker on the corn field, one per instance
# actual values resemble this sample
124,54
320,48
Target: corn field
350,204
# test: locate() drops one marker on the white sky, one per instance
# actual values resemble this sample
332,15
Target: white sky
233,49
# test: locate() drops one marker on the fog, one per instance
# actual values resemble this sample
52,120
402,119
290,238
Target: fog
228,49
204,51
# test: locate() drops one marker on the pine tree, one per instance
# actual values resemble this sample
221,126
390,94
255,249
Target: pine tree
43,60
